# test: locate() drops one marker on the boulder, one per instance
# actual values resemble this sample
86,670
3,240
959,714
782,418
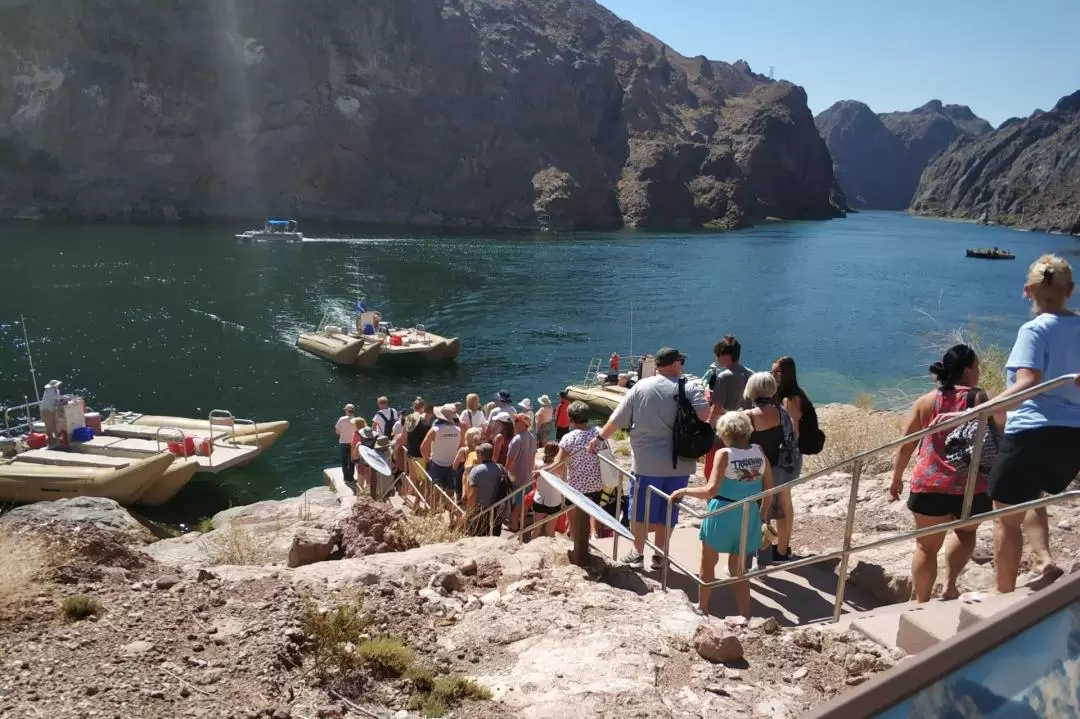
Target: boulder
312,544
105,514
717,644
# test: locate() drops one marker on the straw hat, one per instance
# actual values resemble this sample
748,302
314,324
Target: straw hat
446,412
382,442
526,404
53,384
544,400
523,418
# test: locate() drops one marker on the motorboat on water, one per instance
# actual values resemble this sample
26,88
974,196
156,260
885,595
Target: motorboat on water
114,457
281,230
991,253
373,340
604,388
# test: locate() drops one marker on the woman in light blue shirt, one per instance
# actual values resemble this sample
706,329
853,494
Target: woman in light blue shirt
1041,448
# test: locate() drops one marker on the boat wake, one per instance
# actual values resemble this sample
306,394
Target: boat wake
223,323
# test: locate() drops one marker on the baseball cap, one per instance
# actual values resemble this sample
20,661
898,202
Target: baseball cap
668,356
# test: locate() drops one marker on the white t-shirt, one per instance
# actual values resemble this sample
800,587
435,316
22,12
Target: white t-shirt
471,419
383,418
345,429
398,425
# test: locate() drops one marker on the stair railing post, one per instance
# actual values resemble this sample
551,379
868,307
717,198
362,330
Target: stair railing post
973,470
841,571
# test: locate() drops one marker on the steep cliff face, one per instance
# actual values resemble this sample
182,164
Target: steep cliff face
1027,173
516,113
878,159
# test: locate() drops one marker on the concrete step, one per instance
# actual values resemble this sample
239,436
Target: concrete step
928,624
977,606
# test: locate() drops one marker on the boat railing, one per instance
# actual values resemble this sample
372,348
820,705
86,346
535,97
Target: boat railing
168,434
28,424
857,463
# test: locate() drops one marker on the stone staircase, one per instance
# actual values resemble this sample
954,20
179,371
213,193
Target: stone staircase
915,627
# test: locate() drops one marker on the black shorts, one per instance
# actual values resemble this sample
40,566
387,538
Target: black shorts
561,432
932,504
546,508
1034,461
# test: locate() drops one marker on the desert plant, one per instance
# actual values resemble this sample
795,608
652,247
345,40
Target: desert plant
429,528
205,525
78,607
444,693
385,656
234,545
332,635
620,435
850,431
423,679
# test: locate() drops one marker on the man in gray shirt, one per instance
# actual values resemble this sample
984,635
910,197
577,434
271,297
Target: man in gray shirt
483,483
727,387
648,411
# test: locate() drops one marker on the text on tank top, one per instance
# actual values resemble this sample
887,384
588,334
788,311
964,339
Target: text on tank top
744,474
445,445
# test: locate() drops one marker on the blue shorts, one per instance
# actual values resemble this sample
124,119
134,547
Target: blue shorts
657,505
442,476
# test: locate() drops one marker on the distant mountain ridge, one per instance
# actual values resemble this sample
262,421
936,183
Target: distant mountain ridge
1026,173
879,158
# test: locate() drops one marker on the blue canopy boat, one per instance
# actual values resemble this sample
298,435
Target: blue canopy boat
285,230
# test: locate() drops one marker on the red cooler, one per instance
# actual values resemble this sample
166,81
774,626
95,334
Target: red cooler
93,421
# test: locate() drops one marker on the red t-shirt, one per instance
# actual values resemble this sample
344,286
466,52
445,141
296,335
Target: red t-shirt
562,414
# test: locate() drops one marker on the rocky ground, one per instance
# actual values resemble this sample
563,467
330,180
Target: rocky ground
237,641
300,608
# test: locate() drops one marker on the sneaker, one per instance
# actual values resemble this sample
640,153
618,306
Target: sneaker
656,563
633,560
777,557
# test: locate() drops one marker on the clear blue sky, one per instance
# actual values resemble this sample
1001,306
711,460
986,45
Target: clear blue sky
1002,58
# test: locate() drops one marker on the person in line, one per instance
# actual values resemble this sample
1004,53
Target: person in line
526,408
543,419
937,488
580,468
439,447
739,471
504,402
547,501
1040,451
648,411
385,417
520,457
501,431
773,431
50,404
483,492
562,417
416,429
363,436
725,383
345,431
793,399
472,416
466,459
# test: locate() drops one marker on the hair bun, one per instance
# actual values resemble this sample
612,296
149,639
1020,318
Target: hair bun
937,369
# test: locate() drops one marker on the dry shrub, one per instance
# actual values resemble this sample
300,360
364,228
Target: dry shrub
385,657
849,431
434,698
429,528
78,607
22,559
233,545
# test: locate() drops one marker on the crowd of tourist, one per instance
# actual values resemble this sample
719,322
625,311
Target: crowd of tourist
761,425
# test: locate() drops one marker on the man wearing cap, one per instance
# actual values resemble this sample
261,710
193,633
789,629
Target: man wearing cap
520,463
345,431
439,447
648,412
50,403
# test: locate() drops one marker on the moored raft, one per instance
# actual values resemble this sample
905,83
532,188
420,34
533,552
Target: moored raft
23,480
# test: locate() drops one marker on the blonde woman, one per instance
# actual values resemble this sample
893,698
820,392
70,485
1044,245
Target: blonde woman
466,459
472,416
1041,448
739,470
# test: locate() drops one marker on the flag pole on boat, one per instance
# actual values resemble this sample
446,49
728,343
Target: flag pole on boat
29,357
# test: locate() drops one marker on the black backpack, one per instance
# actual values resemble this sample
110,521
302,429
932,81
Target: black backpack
692,437
811,438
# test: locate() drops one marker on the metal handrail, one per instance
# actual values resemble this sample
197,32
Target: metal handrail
30,420
431,483
980,413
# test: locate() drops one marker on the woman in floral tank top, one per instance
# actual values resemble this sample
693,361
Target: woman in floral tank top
937,488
